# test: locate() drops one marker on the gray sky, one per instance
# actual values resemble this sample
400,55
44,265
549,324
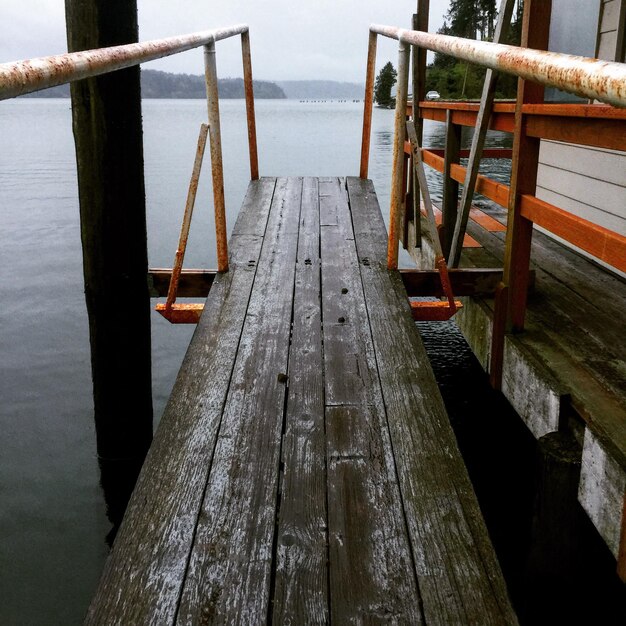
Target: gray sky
291,39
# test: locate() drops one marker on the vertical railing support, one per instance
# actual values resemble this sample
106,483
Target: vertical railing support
420,22
511,294
217,168
478,139
368,104
450,200
397,179
249,93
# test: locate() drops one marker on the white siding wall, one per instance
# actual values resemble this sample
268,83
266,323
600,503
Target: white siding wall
590,182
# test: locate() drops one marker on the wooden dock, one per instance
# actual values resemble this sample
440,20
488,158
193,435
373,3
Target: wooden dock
566,371
304,470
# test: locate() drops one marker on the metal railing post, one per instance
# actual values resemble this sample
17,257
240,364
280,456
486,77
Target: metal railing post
397,180
215,142
249,93
369,104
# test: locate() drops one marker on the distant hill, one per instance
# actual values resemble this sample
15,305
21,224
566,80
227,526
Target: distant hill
316,89
156,84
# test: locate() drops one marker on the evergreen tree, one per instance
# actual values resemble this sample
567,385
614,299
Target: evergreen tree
385,80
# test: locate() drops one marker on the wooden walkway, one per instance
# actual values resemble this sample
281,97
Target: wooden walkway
304,470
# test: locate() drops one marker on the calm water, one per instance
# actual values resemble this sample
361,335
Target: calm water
52,520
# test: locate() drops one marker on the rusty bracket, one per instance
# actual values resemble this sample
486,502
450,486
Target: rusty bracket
433,310
185,313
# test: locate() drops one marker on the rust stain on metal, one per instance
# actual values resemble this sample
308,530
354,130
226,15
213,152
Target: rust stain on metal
249,95
184,230
368,104
591,78
22,77
181,313
217,169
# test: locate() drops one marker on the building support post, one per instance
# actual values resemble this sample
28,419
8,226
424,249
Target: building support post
420,22
106,113
511,295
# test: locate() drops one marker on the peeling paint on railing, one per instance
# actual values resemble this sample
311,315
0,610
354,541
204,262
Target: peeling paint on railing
590,78
23,77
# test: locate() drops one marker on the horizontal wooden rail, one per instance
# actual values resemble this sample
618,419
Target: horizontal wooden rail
196,283
488,153
602,243
598,241
594,125
498,192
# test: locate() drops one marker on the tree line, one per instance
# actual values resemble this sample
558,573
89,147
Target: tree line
477,19
451,78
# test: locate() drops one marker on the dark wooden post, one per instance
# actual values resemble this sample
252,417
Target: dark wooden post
557,552
108,135
420,22
450,200
510,301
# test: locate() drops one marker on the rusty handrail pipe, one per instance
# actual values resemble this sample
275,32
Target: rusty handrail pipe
591,78
21,77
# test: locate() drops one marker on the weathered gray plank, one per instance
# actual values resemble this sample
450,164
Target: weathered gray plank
143,576
228,578
301,587
579,339
372,576
458,575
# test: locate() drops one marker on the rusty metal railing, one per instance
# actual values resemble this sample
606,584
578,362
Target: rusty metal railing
604,81
22,77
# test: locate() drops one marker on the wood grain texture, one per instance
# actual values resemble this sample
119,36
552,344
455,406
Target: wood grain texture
574,331
304,470
229,573
458,575
372,576
144,574
301,579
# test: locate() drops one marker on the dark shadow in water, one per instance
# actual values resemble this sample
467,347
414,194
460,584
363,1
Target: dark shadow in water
577,583
117,479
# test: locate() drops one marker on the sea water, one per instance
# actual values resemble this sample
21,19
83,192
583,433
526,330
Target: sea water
53,521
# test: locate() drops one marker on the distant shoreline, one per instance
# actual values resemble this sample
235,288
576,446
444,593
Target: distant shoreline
164,85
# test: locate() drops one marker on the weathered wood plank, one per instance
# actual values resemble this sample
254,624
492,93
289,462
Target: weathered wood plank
372,576
589,364
458,575
143,576
301,579
229,573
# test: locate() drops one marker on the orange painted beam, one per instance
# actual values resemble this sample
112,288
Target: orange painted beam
498,192
602,243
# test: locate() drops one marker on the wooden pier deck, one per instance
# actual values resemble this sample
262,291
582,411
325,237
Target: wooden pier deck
304,470
566,371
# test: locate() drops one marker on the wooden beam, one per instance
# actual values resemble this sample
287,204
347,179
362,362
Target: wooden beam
450,200
465,282
106,116
510,306
603,243
597,125
194,283
498,192
600,133
478,140
488,153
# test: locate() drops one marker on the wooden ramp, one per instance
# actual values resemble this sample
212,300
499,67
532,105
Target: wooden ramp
304,470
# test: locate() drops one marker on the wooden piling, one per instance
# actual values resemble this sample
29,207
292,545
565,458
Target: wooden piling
106,113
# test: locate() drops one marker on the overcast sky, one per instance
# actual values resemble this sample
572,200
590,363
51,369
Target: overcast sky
291,39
